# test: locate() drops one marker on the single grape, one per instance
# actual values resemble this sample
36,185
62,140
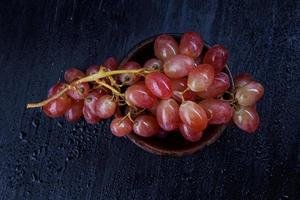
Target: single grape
167,114
90,101
111,63
220,84
89,116
216,56
180,85
217,110
145,126
193,115
153,63
75,112
178,66
201,78
121,126
249,94
80,91
93,69
246,118
73,74
191,44
165,47
159,85
105,106
140,96
60,105
130,79
242,79
189,134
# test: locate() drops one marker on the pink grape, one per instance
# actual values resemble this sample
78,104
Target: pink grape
165,47
93,69
111,63
201,78
159,85
167,114
193,115
246,118
216,56
121,126
153,63
74,113
105,107
178,66
218,111
73,74
140,96
145,126
191,44
220,84
249,94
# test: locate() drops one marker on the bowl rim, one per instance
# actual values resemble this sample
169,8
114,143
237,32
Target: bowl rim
180,152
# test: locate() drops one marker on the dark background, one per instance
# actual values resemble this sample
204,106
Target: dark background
43,158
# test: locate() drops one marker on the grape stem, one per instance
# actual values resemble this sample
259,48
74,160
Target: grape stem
93,77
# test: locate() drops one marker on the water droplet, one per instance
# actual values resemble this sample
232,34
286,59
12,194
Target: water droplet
60,124
35,123
22,136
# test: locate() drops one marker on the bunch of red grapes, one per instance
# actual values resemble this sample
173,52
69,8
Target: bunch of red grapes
182,89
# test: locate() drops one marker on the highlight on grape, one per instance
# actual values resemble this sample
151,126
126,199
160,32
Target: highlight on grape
175,91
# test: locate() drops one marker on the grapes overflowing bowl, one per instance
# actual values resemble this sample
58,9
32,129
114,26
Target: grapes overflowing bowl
172,94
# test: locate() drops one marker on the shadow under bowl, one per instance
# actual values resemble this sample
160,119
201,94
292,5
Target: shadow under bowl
173,144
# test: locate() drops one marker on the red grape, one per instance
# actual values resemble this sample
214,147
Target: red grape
93,69
242,79
165,47
249,94
89,116
218,111
80,91
153,63
216,56
180,85
159,85
154,108
129,79
193,115
73,74
220,84
75,112
167,114
189,134
246,118
201,78
105,107
178,66
121,126
140,96
111,63
60,105
191,44
90,101
145,126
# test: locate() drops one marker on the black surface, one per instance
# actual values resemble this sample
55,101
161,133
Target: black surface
44,158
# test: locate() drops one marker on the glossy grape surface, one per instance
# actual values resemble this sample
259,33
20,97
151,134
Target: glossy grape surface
178,66
73,74
246,118
179,86
74,113
191,44
145,126
165,47
216,56
159,85
105,106
129,79
249,94
193,115
121,126
189,134
167,114
201,78
140,96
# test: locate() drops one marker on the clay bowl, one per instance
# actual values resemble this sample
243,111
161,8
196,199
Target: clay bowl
173,144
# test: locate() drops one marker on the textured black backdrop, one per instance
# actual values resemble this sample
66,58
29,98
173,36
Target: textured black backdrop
42,158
